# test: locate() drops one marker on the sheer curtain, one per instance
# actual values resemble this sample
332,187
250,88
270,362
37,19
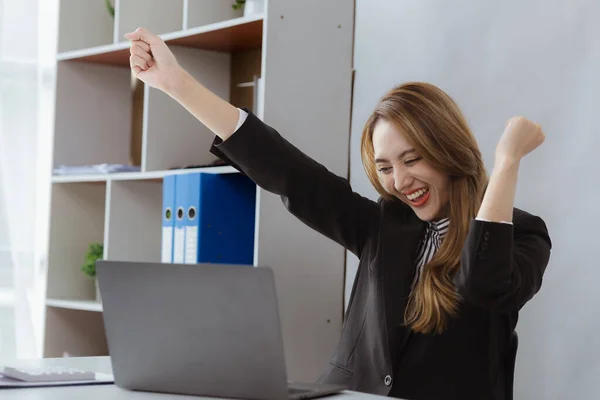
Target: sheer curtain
26,96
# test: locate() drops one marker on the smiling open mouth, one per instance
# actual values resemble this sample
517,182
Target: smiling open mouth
419,198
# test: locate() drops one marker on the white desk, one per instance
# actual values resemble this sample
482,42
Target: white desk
104,392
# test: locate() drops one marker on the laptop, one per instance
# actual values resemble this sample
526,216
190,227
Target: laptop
197,329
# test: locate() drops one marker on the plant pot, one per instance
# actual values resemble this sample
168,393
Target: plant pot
253,7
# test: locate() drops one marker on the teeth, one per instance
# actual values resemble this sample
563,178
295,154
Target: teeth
416,194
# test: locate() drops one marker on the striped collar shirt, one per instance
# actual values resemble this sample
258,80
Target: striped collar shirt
434,235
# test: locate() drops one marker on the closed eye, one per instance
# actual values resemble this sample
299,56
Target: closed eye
385,170
412,161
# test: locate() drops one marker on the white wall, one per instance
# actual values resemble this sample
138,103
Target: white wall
536,58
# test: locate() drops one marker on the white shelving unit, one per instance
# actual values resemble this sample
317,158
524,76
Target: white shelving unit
85,305
303,55
132,176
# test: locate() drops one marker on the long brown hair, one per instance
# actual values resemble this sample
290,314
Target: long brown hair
436,128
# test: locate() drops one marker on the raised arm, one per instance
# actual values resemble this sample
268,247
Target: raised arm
520,137
155,65
319,198
502,265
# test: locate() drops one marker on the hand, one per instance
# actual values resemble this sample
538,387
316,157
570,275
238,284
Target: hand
520,138
151,60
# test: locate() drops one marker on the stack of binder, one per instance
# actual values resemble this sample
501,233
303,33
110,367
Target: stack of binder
208,218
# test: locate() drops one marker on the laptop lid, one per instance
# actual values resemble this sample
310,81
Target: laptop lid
210,330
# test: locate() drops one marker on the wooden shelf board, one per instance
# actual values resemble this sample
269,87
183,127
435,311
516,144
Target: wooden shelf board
238,37
228,36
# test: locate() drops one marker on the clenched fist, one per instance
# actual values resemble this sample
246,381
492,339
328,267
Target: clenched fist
151,60
520,138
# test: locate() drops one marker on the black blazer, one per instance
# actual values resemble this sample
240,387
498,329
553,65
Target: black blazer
502,268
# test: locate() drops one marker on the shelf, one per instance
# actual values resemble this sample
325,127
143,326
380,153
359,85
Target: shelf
233,35
74,332
138,176
79,179
83,24
111,54
134,221
77,218
223,169
93,115
83,305
205,12
158,16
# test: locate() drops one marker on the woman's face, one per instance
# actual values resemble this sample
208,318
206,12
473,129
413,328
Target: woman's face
407,176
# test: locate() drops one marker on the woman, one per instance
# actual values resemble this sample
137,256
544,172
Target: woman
446,262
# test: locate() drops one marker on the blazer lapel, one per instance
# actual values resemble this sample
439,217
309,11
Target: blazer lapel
401,241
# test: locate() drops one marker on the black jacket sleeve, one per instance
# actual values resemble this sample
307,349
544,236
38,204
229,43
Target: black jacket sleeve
502,265
319,198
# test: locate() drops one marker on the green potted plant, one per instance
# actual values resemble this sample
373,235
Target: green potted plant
110,8
95,252
238,5
250,7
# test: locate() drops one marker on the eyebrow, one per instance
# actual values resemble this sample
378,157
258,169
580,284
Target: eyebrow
402,155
